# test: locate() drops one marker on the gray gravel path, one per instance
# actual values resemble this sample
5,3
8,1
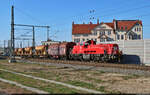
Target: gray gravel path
84,67
3,93
25,87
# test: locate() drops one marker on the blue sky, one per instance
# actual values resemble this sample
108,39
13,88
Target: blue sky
59,14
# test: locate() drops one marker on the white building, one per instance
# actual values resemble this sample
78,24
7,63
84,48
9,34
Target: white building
101,32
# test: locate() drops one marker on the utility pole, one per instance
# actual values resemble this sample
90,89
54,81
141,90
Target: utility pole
28,44
33,41
4,47
4,44
20,44
48,33
12,56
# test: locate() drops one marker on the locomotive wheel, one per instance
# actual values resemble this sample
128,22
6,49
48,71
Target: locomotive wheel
70,54
102,59
81,58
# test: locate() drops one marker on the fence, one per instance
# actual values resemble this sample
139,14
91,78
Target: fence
135,51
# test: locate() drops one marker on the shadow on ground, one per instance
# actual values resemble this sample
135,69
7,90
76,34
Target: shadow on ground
131,59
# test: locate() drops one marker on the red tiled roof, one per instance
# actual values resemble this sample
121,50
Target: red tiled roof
110,24
83,28
127,24
86,28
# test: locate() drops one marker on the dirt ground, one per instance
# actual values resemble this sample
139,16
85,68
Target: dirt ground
92,79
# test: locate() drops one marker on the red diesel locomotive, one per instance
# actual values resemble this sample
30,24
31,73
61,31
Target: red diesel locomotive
96,52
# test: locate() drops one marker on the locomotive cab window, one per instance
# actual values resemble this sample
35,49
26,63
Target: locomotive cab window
81,44
86,45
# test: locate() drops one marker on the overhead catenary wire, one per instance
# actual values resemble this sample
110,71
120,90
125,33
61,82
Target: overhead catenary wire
137,16
31,17
124,11
118,12
80,16
28,15
113,10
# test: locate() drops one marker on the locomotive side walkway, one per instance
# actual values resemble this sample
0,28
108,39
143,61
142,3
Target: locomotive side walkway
46,80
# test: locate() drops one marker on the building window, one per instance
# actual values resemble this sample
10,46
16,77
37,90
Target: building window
83,39
76,40
122,28
109,39
125,27
85,35
122,37
134,37
130,37
77,35
118,37
102,40
135,29
139,36
140,29
95,33
95,39
102,32
109,32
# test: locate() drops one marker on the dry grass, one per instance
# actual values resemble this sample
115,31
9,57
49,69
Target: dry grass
93,79
48,87
12,89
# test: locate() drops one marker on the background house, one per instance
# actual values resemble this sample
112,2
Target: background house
102,32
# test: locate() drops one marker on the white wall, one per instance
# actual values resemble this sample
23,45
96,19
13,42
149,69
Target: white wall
136,51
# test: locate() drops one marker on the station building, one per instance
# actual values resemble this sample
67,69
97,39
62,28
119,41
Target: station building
104,32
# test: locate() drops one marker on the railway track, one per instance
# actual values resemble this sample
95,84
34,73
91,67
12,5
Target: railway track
96,64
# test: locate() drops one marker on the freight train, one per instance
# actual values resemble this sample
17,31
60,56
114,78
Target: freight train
87,51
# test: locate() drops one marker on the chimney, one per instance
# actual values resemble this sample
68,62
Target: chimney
90,22
73,23
113,20
115,24
97,21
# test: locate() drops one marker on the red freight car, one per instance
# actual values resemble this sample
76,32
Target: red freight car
65,49
60,50
53,50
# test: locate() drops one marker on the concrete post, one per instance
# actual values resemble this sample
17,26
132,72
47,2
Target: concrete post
144,58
